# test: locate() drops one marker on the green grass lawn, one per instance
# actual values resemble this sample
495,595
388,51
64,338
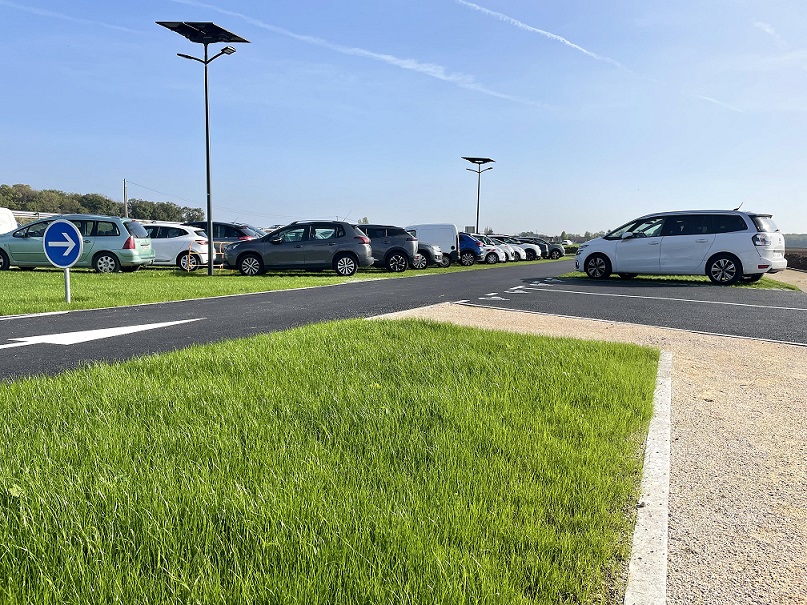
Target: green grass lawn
766,283
347,462
42,290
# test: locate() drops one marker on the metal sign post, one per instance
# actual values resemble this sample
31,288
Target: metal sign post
63,245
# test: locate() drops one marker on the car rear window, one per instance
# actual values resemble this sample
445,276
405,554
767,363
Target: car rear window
133,227
397,231
764,223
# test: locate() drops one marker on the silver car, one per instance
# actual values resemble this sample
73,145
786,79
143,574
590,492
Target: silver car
306,245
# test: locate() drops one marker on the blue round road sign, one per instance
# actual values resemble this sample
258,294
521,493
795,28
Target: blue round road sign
63,244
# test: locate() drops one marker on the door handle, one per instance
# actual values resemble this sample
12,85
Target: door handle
298,246
654,243
701,241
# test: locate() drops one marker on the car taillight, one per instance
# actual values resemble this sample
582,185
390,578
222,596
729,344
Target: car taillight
201,242
762,239
364,239
130,244
411,239
245,238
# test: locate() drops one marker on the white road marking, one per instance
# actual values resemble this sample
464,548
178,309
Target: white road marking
689,300
72,338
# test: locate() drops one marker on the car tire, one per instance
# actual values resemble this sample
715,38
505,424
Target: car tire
188,262
251,265
4,264
724,269
467,258
421,263
627,275
531,255
492,258
445,262
555,254
396,262
345,265
597,266
105,262
750,279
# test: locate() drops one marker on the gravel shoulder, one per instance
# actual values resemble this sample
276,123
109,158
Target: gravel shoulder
738,476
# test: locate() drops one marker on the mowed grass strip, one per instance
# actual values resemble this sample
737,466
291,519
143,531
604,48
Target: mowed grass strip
346,462
42,290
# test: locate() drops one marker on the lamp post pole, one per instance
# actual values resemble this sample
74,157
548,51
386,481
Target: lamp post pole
205,33
479,170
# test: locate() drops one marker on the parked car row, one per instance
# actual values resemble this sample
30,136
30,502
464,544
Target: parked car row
113,243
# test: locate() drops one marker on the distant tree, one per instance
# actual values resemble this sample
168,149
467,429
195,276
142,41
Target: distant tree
95,203
192,214
364,221
488,231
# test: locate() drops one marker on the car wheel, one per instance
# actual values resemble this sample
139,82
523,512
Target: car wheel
531,255
106,262
445,261
250,265
492,258
396,262
467,259
555,254
345,265
421,263
598,266
627,275
188,262
724,270
3,261
750,279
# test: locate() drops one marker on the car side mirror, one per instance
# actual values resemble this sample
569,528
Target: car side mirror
627,235
276,240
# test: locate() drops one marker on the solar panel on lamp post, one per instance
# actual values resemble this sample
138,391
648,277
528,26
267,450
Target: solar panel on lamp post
479,162
205,33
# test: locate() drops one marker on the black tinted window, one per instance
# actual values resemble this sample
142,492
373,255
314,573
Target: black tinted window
728,223
397,231
373,232
691,224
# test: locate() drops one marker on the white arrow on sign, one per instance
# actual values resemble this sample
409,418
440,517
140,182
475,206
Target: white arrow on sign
72,338
68,244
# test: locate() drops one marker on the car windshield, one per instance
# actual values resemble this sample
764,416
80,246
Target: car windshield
647,227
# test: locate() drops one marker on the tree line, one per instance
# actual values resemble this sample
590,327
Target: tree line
23,198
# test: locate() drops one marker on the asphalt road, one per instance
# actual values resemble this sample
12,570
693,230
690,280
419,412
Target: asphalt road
49,344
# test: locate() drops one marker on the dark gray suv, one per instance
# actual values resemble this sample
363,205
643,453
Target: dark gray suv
310,245
393,247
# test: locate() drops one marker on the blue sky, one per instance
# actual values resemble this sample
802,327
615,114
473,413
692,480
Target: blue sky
594,112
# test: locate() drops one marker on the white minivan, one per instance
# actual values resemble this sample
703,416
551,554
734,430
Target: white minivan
726,245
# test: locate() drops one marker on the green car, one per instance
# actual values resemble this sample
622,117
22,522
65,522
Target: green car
111,244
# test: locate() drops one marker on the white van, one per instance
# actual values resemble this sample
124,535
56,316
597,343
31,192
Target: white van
7,221
444,235
727,245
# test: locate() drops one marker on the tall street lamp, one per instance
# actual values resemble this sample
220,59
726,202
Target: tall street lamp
479,162
205,33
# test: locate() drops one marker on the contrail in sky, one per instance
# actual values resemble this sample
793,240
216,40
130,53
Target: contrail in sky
429,69
551,36
542,32
54,15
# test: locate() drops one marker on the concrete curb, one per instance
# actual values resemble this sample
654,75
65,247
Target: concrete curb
647,570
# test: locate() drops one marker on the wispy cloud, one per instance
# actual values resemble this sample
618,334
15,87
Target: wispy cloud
768,29
588,53
544,33
54,15
428,69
